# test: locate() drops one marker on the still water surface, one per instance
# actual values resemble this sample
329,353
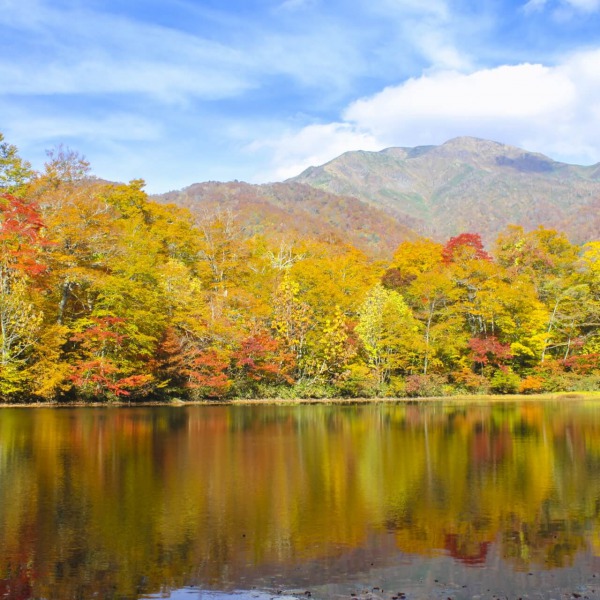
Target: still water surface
419,500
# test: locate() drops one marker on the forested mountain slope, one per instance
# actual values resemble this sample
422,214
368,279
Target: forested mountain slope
295,210
468,184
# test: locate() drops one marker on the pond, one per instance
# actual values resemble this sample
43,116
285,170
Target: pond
378,501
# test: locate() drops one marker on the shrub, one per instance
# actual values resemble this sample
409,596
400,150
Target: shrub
395,388
421,386
357,382
505,381
532,384
473,383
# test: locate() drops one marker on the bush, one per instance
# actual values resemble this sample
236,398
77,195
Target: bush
505,381
357,382
590,383
532,384
395,388
422,386
313,389
471,382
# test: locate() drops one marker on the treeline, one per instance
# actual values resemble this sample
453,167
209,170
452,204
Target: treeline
106,294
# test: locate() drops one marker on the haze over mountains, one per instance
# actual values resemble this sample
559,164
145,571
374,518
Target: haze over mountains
377,199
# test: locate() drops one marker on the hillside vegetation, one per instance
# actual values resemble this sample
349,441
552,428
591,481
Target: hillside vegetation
107,294
468,184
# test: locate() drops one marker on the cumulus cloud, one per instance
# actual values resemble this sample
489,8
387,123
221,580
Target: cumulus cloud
312,145
550,109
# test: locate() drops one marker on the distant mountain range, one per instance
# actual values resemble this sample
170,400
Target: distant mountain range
376,199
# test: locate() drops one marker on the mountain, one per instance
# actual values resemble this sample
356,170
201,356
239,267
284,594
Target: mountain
294,209
467,185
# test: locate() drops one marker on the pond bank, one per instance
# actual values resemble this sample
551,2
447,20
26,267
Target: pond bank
567,396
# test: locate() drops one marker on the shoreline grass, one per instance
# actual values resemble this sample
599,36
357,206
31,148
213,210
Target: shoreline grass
461,398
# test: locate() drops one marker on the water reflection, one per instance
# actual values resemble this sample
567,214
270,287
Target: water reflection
125,503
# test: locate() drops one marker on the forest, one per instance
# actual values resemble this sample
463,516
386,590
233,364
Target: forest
107,295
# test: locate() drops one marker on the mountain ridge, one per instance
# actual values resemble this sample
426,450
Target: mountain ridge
377,199
465,184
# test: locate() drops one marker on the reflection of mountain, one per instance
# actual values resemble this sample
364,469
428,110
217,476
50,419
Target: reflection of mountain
94,501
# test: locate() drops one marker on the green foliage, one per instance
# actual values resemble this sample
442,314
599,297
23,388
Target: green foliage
14,171
504,381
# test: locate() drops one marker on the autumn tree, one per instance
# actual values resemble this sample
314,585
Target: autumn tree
14,171
21,265
388,334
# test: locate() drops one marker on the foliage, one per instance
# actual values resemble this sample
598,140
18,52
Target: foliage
504,381
432,384
106,294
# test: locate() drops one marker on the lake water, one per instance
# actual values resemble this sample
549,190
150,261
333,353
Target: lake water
418,500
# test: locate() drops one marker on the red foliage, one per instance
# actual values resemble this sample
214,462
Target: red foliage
261,358
206,372
99,376
583,364
21,238
489,351
100,332
465,245
169,358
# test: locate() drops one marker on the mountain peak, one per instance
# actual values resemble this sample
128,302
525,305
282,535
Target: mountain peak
466,184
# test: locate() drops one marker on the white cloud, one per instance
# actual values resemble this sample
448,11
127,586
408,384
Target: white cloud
507,92
83,51
117,127
585,6
312,145
294,5
534,5
550,109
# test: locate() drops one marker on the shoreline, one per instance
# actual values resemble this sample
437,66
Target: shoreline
488,398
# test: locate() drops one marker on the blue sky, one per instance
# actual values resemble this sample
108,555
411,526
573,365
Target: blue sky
180,91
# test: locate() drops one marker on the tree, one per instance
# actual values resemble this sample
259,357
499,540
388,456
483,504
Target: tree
388,333
261,359
466,246
548,259
14,171
21,246
292,320
104,347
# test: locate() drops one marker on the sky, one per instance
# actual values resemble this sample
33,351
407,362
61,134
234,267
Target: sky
181,91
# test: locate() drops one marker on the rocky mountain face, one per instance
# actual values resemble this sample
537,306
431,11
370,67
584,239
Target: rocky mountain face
295,210
467,185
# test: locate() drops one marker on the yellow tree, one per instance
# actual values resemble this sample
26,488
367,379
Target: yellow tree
389,334
419,273
548,259
21,246
291,322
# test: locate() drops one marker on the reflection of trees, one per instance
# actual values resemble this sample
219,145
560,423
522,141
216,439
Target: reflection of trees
92,499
